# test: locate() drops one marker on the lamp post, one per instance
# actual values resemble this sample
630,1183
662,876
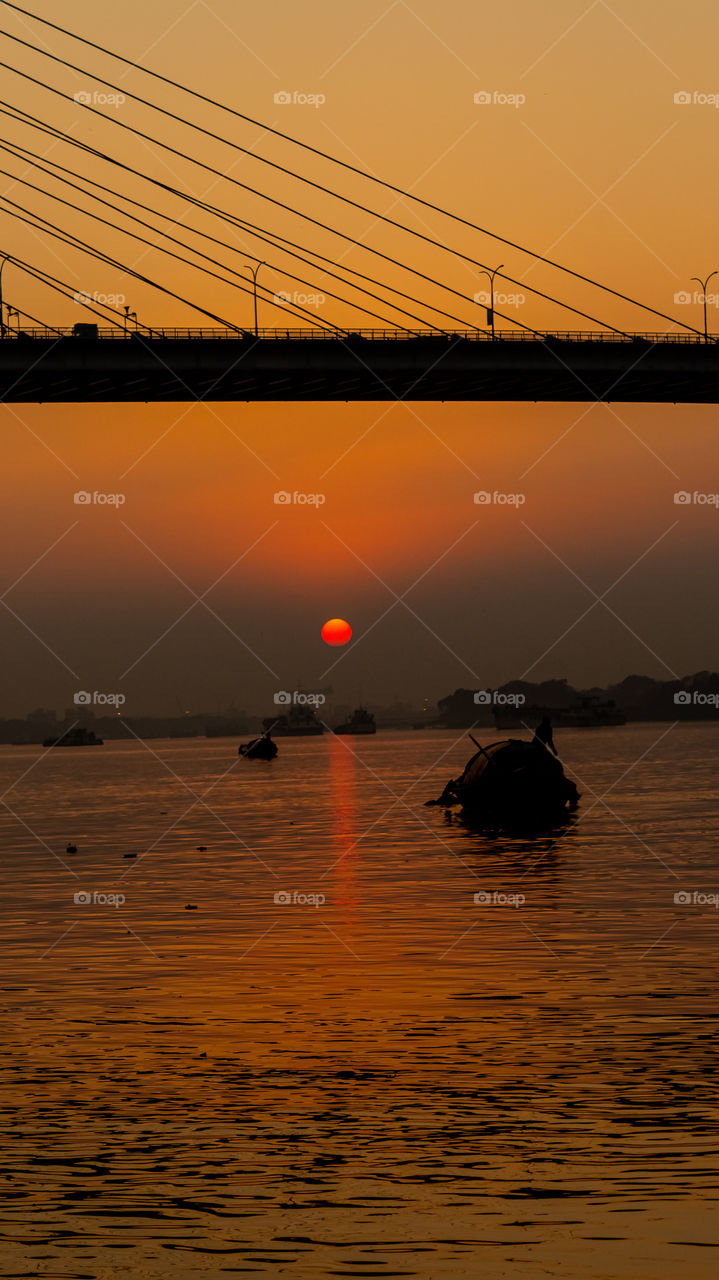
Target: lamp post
490,309
704,284
2,309
253,272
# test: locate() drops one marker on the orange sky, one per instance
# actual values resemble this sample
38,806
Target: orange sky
598,168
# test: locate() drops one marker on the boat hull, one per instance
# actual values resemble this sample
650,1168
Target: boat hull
258,749
512,784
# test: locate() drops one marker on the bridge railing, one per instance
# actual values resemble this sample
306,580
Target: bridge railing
353,335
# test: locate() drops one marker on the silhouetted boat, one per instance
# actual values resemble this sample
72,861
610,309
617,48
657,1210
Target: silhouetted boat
77,737
512,783
301,722
588,712
262,748
362,722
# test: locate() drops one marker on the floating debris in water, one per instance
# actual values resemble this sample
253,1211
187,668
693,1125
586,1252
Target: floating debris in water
71,848
191,906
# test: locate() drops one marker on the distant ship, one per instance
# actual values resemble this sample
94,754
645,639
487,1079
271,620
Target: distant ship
75,738
362,722
588,712
301,722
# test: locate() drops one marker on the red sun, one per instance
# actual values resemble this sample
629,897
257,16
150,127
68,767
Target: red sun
336,631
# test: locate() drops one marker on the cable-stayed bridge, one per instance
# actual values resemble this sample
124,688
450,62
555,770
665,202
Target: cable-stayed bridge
431,337
186,365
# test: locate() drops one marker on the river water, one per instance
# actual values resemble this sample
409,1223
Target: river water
372,1074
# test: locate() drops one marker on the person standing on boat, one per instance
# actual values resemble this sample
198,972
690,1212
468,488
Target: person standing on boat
543,735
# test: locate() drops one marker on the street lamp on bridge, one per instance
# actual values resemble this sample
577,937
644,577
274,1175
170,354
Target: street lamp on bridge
490,308
253,272
2,310
704,284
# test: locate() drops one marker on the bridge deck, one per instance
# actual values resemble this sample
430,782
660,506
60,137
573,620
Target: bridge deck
184,365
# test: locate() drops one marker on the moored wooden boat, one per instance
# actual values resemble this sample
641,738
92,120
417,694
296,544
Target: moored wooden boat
262,748
512,783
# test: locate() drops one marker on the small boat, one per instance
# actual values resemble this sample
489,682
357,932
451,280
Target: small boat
77,737
512,783
262,748
362,722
